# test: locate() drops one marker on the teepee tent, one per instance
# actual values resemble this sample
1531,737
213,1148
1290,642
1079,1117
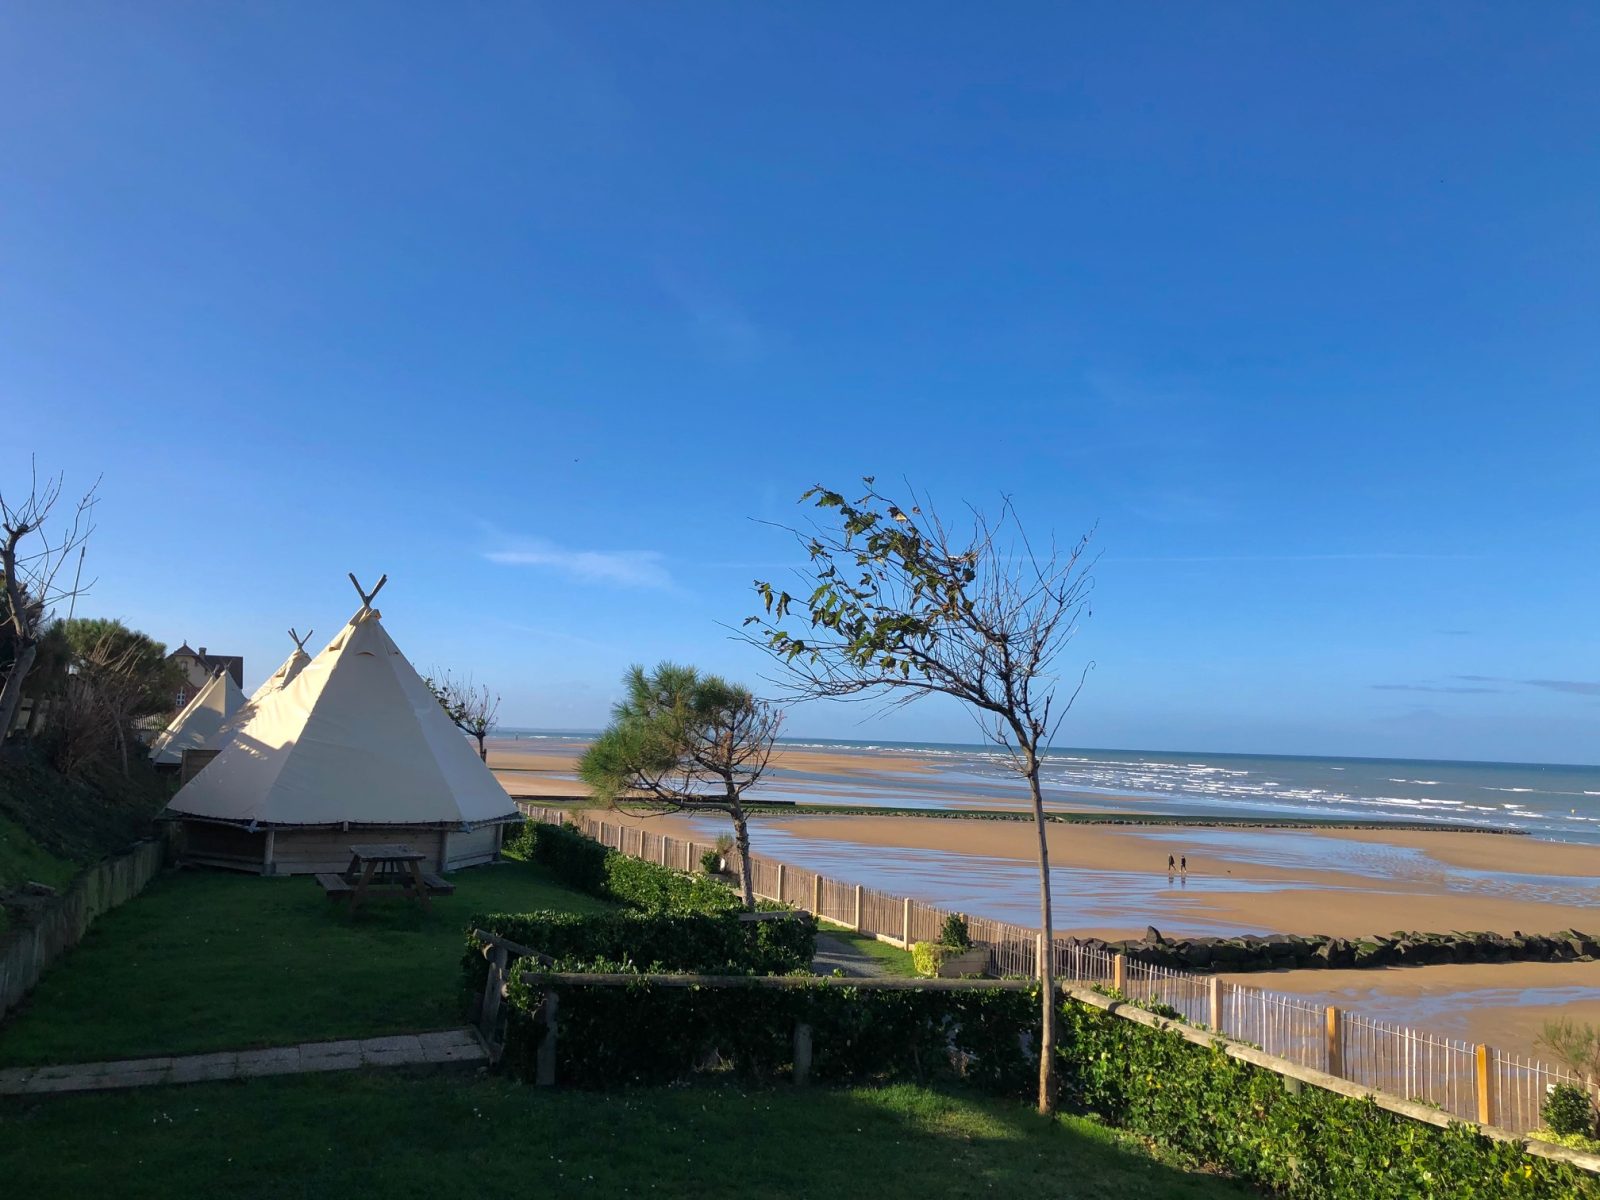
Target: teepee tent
291,667
354,748
200,723
279,679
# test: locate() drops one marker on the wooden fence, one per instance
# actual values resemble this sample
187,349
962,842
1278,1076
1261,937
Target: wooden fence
1472,1082
26,952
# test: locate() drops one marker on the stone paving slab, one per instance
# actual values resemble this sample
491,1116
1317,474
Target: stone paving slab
439,1046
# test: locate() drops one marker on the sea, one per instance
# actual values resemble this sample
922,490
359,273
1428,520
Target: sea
1559,802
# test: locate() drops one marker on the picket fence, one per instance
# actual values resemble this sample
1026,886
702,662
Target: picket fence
1474,1082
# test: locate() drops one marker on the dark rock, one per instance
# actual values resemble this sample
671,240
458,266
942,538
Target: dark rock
1151,934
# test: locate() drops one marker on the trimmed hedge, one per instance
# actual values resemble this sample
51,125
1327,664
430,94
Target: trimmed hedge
585,865
697,943
648,1034
1197,1102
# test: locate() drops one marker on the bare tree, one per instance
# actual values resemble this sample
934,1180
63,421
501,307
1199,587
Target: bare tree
685,742
471,706
30,561
901,606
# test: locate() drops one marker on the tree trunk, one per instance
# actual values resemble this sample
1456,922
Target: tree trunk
741,837
11,694
1047,979
483,751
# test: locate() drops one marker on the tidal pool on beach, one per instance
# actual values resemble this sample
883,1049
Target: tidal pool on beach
1007,889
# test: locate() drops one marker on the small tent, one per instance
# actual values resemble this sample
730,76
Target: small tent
291,667
199,725
354,748
279,679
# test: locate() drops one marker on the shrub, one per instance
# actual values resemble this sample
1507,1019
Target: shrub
586,865
653,888
1568,1109
699,943
1198,1103
1310,1144
650,1034
926,957
953,933
572,857
711,862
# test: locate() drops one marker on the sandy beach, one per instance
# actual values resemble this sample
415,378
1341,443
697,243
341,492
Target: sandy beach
1345,882
1111,881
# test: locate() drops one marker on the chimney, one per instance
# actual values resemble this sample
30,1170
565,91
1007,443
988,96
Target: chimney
202,651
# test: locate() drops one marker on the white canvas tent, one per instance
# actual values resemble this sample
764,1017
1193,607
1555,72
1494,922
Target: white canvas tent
354,748
285,674
279,679
199,725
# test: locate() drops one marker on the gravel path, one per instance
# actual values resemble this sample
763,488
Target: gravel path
833,954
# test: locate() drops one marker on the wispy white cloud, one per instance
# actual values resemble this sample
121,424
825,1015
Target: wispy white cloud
719,325
1376,556
620,568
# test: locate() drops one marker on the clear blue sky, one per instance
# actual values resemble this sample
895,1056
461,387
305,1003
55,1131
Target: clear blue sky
535,307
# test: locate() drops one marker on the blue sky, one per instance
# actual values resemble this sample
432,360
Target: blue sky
535,308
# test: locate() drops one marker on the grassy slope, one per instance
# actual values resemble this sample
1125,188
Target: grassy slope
209,961
442,1135
50,827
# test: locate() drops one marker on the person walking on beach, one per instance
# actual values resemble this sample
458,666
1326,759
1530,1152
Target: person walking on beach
1183,866
1171,866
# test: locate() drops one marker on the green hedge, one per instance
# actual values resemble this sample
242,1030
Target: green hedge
1308,1144
586,865
697,943
1207,1108
649,1034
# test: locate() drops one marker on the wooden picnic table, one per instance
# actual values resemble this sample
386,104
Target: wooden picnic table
388,866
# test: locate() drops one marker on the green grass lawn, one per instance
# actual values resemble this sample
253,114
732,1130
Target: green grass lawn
447,1134
214,961
894,961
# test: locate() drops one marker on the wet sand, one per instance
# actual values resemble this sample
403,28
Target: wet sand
1504,1004
1110,881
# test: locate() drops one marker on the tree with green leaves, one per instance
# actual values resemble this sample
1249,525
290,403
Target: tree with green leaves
684,742
116,678
900,606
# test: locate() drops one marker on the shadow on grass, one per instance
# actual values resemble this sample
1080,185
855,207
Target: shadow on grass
446,1134
208,960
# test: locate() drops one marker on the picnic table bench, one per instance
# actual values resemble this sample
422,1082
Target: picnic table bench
383,867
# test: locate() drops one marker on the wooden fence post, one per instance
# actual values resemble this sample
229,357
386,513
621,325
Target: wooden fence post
905,923
802,1053
1484,1086
663,850
857,925
1038,955
493,988
544,1070
816,894
779,896
1214,1003
1335,1039
1119,973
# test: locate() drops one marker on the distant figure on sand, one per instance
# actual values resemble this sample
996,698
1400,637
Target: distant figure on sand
1171,866
1183,865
